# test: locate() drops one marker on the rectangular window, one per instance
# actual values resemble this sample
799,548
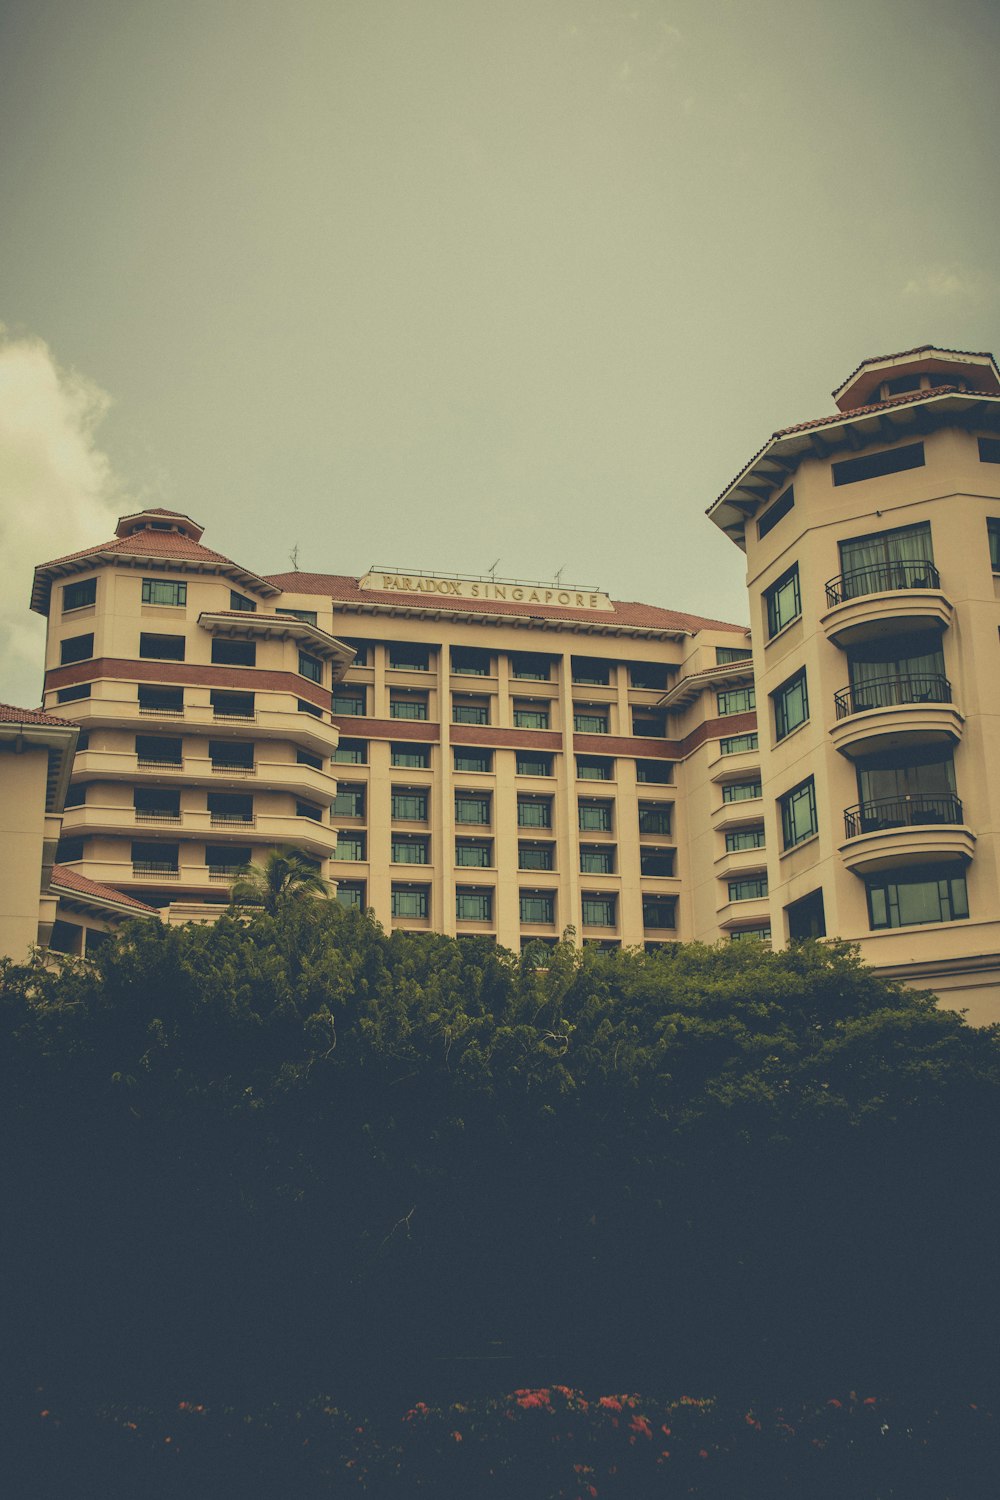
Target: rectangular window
531,715
158,750
350,800
470,661
648,674
736,744
303,706
775,513
408,805
76,796
350,846
348,700
79,595
798,813
912,898
528,666
360,649
874,465
157,802
473,906
351,894
471,809
474,853
594,768
77,648
591,671
597,859
590,720
744,838
413,757
783,601
647,725
229,807
750,888
473,760
724,655
533,856
740,791
160,700
408,705
351,753
163,591
227,859
993,532
73,694
161,647
410,901
69,851
594,817
154,859
656,861
654,772
537,906
231,755
307,758
231,705
989,450
534,812
598,911
410,849
883,561
806,918
404,656
241,603
307,616
310,666
226,653
532,764
655,817
470,710
791,705
761,934
659,911
736,700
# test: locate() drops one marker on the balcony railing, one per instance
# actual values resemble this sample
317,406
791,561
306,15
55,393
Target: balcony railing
155,867
232,820
890,692
902,812
882,578
151,711
230,768
222,717
144,815
145,763
224,872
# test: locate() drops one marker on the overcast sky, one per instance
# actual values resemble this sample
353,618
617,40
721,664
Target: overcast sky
431,283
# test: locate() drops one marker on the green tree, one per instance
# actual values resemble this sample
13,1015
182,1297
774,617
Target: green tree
285,875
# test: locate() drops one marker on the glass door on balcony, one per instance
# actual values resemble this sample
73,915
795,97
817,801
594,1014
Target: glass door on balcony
884,560
897,790
898,669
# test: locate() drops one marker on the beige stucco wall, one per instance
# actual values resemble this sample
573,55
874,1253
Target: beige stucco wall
23,829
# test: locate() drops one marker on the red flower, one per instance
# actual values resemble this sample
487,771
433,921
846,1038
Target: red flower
869,1401
639,1424
702,1453
611,1402
457,1436
834,1402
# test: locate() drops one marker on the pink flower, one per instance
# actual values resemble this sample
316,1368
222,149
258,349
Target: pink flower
611,1402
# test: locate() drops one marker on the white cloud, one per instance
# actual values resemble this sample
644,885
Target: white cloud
944,282
57,493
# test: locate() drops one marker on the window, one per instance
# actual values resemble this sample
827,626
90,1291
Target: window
806,918
791,705
79,595
156,803
310,666
740,791
154,859
783,601
231,755
83,741
350,846
77,648
537,906
736,744
905,668
231,705
654,772
404,656
360,649
473,760
874,465
230,807
473,906
594,817
348,700
528,763
307,758
989,450
749,888
724,655
227,859
528,666
162,647
775,513
529,715
911,898
474,853
534,812
163,591
470,661
412,757
588,719
408,705
470,808
351,894
73,694
409,805
410,849
307,616
593,672
470,710
659,911
594,768
736,700
648,725
655,817
76,795
241,603
993,531
303,706
598,911
597,859
744,838
883,561
798,813
761,934
648,674
656,861
307,810
410,901
157,750
534,856
350,800
160,700
69,851
226,653
351,753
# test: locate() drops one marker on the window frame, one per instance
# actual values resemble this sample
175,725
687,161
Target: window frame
792,693
151,586
774,606
787,811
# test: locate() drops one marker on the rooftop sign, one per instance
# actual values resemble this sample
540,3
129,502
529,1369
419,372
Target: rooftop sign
425,587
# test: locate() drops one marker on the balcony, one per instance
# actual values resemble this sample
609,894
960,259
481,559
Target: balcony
896,596
882,578
892,712
232,768
144,869
909,830
147,815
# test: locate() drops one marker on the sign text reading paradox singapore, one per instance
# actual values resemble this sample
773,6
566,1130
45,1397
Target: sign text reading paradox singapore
484,588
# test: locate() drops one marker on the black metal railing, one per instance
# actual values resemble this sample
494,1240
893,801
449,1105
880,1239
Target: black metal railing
155,867
882,578
890,692
902,812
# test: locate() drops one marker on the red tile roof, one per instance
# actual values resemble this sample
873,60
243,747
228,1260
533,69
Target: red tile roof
11,715
883,359
344,590
148,544
71,880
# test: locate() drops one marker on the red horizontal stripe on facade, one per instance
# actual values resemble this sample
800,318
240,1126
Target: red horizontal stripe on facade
182,673
621,744
717,729
387,729
517,739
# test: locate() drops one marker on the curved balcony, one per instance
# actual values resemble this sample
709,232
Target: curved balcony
891,712
891,595
908,830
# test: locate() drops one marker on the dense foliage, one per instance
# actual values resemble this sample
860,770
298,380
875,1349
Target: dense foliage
298,1150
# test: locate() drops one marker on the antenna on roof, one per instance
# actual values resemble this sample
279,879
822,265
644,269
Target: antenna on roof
558,578
293,557
493,570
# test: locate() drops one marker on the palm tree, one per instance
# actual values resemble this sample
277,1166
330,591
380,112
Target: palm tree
285,875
